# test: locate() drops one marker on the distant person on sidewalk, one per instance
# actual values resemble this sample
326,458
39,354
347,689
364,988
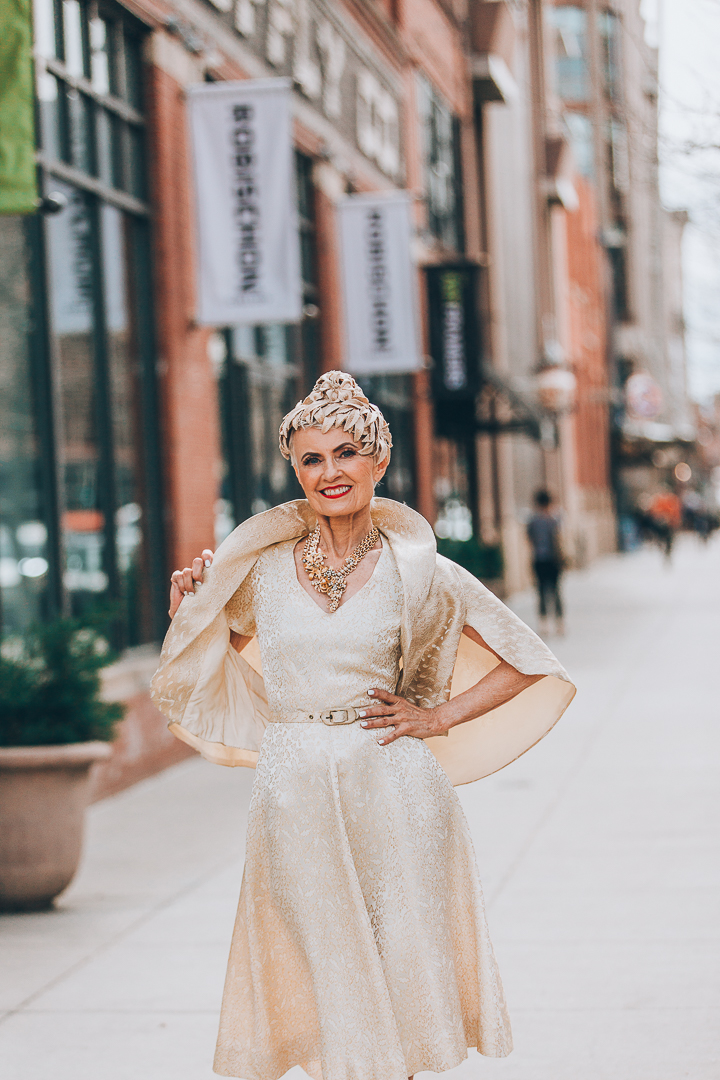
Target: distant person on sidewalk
666,513
543,530
360,948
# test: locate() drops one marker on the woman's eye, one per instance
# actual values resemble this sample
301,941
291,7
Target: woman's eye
311,461
348,453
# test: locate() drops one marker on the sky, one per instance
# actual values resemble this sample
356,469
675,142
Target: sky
688,34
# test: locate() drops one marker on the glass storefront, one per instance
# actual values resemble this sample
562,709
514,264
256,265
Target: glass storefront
264,370
393,395
258,384
81,520
91,315
443,172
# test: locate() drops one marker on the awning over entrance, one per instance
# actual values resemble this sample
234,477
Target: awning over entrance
502,409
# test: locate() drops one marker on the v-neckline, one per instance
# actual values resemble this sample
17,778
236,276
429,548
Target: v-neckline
314,602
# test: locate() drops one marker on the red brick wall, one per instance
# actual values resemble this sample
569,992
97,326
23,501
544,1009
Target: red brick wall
435,43
144,746
188,392
588,336
328,266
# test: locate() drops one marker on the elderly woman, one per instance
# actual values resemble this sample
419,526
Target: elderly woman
362,674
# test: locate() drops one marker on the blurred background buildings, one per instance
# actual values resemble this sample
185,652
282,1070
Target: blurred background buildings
526,132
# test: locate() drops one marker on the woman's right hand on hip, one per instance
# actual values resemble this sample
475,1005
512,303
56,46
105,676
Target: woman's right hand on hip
185,582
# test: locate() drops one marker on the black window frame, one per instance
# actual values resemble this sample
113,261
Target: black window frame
125,190
127,121
442,156
572,72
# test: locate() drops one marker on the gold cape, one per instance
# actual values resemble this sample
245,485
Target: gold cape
215,699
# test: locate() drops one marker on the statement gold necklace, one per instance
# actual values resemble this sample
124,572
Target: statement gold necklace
326,580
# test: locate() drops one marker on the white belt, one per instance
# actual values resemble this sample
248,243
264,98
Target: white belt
330,717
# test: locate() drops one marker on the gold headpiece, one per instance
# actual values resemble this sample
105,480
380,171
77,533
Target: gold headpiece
336,400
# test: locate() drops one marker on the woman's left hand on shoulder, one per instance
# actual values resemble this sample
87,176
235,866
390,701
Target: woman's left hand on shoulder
402,717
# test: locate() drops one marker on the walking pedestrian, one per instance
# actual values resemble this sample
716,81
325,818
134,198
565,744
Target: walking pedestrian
543,530
360,950
666,513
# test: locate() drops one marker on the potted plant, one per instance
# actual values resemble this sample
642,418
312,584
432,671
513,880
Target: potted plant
53,726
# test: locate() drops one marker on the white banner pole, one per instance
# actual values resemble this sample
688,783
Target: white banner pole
380,288
248,249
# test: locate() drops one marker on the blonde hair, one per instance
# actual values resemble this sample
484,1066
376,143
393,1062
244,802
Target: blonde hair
336,400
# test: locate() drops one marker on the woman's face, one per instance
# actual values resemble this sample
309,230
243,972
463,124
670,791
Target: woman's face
337,479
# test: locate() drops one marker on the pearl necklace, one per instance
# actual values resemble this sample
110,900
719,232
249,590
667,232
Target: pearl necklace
324,578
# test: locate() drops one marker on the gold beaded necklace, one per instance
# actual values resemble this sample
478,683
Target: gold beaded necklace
324,578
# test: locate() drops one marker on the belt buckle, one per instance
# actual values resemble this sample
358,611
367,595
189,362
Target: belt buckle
328,718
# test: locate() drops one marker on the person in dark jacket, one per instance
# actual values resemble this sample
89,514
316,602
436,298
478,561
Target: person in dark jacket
543,530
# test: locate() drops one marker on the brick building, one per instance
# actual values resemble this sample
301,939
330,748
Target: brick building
132,437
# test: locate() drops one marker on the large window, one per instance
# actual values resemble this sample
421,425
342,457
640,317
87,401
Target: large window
443,180
94,526
393,395
610,32
90,92
580,129
262,371
257,386
572,74
25,565
91,252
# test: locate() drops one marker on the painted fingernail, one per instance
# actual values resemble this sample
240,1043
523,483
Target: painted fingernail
362,713
364,723
207,562
185,592
371,692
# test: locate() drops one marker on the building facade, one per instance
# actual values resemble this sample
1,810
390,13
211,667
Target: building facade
548,311
606,87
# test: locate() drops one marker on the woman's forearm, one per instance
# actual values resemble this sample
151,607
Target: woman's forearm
500,685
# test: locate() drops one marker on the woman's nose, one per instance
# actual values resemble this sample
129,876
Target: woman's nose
331,469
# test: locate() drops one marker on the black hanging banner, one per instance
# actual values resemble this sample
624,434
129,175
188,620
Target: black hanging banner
455,344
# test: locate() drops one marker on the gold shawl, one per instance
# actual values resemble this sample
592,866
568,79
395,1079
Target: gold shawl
215,699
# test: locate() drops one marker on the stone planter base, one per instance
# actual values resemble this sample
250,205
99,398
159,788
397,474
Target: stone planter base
44,791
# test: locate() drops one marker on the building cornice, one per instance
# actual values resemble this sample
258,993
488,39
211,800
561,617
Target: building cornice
153,13
382,31
227,57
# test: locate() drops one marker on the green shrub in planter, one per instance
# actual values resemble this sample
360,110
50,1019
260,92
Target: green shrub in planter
484,561
50,687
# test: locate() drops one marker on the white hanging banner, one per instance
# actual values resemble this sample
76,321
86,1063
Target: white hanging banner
248,259
379,284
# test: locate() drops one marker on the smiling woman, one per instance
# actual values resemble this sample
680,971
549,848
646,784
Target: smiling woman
338,481
360,947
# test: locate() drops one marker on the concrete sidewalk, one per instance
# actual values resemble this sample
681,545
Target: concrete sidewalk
598,850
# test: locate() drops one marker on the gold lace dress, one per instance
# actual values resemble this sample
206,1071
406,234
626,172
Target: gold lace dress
360,949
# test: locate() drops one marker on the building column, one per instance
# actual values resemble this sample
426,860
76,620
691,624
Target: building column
423,417
329,187
190,436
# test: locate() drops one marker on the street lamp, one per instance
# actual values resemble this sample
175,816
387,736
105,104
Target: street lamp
556,387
